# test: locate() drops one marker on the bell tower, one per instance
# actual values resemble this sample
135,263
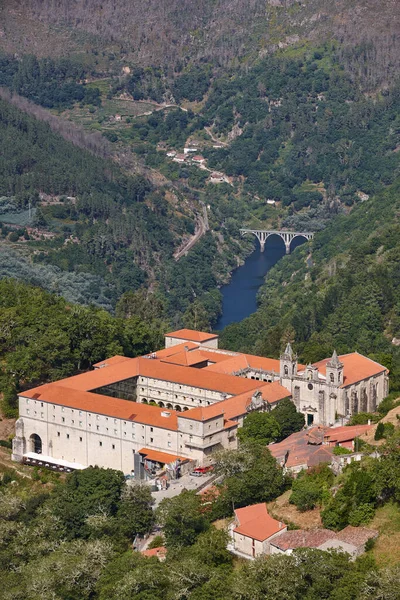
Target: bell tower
288,363
334,371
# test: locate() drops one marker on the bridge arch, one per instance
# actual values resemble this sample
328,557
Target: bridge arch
297,241
287,236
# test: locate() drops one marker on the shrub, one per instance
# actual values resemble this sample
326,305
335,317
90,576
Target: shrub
361,515
380,432
13,237
338,450
156,542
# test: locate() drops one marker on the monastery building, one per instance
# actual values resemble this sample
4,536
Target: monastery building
183,402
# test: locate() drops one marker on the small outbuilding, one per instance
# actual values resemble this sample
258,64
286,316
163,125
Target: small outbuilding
253,530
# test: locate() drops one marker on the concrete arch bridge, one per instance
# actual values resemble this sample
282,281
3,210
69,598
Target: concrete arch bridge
287,236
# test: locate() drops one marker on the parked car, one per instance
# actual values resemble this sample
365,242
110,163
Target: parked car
203,470
196,473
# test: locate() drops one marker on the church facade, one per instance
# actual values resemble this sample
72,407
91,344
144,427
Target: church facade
183,402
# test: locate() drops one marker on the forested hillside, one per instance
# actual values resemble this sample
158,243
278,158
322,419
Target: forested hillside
343,295
223,32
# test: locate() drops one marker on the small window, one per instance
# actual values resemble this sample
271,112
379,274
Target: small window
27,400
97,427
80,439
72,410
72,421
133,436
80,413
151,440
100,443
67,436
332,378
169,444
62,409
54,406
124,433
124,422
113,446
41,404
63,419
115,432
58,434
80,423
97,417
42,415
106,418
151,429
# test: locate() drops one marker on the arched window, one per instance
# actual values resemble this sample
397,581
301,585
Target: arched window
169,406
332,378
161,404
286,370
36,443
178,408
144,401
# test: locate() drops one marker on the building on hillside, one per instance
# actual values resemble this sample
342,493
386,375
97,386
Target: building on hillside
351,540
181,403
312,447
335,387
253,530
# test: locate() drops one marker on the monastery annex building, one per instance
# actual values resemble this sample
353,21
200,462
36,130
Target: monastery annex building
183,402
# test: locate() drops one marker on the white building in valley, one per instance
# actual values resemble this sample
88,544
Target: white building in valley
182,402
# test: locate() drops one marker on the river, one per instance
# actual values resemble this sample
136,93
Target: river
239,296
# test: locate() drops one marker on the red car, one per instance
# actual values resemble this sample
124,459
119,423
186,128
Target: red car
203,470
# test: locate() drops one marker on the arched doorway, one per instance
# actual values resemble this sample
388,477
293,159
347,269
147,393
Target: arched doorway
36,443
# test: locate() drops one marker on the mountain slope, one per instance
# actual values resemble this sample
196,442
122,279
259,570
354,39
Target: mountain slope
220,31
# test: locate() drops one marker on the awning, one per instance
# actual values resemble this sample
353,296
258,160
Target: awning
160,457
35,458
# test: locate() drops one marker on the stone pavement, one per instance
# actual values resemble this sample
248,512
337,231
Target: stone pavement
177,486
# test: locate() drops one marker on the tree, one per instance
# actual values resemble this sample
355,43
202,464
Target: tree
288,419
251,475
135,515
259,427
181,519
380,431
87,492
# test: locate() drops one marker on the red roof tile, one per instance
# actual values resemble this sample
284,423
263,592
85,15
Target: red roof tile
345,434
160,552
303,539
161,457
255,522
191,335
105,405
355,368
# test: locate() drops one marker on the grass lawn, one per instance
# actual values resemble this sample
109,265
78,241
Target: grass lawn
387,547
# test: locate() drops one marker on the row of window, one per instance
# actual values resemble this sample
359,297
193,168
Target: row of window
169,444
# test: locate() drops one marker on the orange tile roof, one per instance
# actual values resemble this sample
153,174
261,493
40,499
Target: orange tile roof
161,457
355,368
236,406
199,378
255,522
100,377
110,361
192,335
346,433
160,552
165,352
105,405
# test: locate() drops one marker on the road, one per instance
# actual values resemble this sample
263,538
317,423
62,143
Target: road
201,227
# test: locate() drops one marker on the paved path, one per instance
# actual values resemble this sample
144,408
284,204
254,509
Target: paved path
177,486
